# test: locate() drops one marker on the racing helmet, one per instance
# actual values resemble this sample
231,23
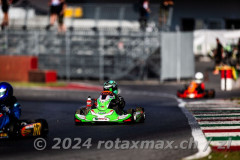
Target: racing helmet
111,86
6,91
199,77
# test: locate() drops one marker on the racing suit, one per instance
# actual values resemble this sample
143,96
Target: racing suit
200,88
194,86
10,112
117,104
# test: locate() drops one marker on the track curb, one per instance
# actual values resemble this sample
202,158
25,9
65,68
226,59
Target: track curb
203,148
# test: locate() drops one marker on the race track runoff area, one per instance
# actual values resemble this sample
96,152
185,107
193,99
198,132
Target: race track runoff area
219,121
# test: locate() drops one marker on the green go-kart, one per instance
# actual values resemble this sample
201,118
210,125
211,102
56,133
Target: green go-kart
102,113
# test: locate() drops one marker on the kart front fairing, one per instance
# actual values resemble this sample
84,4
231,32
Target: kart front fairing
191,95
108,115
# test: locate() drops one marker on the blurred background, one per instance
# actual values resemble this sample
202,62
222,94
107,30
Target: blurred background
127,39
67,48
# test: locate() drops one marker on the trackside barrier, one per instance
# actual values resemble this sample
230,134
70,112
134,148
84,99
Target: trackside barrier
43,76
16,68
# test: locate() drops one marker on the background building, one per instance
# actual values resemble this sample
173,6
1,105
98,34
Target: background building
204,14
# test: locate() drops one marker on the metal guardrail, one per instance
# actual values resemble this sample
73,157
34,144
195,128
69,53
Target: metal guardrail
87,54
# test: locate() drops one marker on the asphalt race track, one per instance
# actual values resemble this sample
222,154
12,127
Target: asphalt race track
164,122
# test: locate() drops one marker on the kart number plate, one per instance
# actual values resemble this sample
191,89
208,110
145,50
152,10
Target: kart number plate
101,119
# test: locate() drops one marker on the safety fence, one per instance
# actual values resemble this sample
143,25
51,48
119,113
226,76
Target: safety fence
88,54
84,54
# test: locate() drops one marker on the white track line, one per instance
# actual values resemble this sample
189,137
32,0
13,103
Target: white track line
219,122
212,105
218,114
212,102
217,118
203,148
224,134
213,108
220,127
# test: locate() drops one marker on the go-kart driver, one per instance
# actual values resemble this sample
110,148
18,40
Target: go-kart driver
197,84
10,110
118,103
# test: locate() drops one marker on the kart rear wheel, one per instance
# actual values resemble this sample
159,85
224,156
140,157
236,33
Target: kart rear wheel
133,113
140,109
211,93
206,95
16,129
44,129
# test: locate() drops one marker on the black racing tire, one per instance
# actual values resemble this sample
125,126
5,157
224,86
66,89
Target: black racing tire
81,111
206,94
179,92
131,111
44,129
143,116
78,111
211,93
14,130
140,109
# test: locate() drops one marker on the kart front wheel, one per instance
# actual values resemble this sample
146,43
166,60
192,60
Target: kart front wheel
82,111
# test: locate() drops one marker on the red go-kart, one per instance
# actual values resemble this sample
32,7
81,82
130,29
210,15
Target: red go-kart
195,93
